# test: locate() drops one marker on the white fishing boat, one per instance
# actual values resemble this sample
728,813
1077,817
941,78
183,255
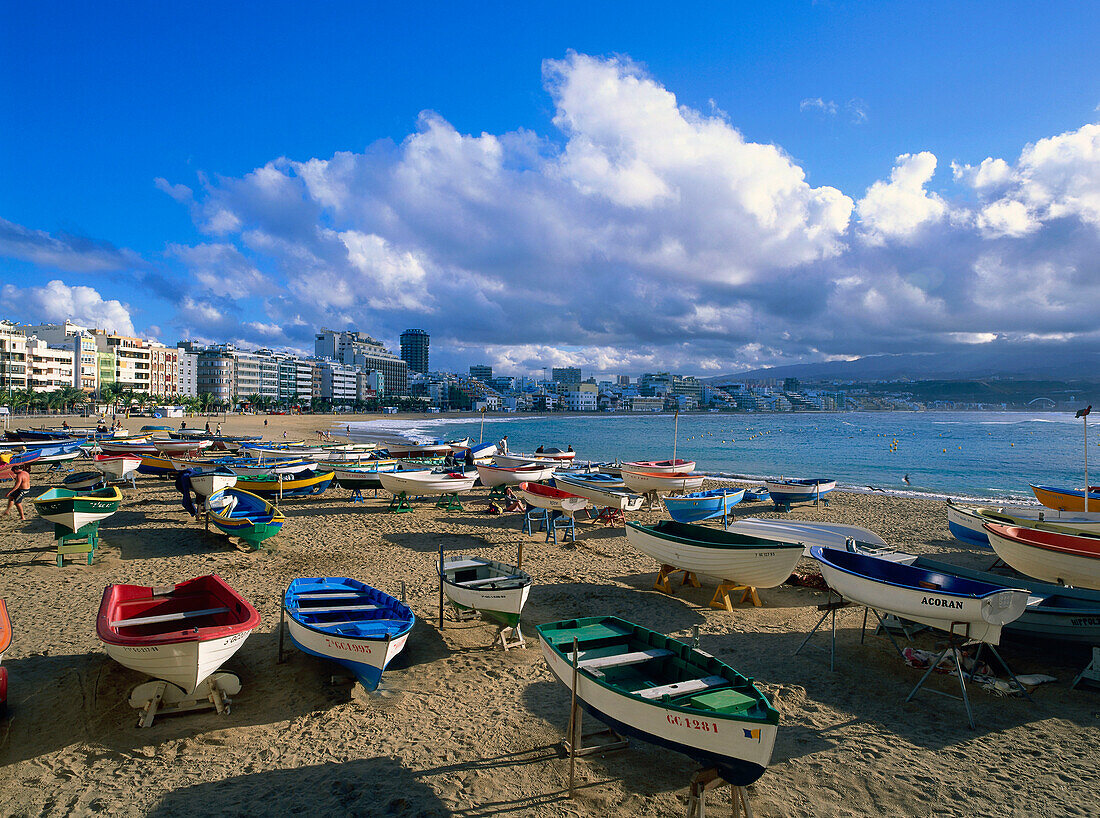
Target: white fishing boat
492,475
748,560
205,483
662,481
599,493
417,483
1051,556
167,446
491,588
659,466
811,532
117,467
550,498
785,492
524,460
180,634
967,523
660,690
977,610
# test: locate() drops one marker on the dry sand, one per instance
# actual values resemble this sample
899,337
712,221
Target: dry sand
460,728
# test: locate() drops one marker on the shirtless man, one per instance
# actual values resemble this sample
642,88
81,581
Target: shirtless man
19,491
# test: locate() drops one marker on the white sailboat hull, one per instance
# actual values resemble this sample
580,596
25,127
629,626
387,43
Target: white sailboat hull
661,482
491,476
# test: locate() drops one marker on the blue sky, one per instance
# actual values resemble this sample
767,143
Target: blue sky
707,188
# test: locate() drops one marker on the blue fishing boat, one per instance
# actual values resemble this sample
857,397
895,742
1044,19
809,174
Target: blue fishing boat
703,505
242,514
349,622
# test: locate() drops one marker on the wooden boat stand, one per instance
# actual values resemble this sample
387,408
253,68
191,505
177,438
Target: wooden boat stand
721,599
709,779
956,640
511,638
83,541
159,698
399,503
664,579
573,744
449,502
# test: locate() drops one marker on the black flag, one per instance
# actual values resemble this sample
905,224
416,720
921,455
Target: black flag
1083,412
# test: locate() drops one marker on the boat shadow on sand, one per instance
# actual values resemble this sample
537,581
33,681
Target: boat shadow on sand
428,542
370,786
153,543
86,695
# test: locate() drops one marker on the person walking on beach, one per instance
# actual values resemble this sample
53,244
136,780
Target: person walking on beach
19,491
219,429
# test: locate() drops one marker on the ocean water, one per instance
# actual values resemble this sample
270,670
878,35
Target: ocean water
968,455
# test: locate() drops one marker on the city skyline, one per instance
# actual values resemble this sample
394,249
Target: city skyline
705,191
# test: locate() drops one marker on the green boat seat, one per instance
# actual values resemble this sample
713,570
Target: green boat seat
473,583
623,659
586,633
723,701
680,688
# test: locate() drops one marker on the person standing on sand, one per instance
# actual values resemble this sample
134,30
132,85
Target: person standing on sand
219,431
208,427
502,446
19,490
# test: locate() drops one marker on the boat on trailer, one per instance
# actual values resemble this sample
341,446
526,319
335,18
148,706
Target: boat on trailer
180,635
647,685
939,600
349,622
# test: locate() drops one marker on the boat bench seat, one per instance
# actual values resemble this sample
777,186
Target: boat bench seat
335,595
623,659
458,565
680,688
171,617
473,583
339,609
586,632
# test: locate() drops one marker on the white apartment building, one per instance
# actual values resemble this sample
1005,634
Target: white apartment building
187,373
48,368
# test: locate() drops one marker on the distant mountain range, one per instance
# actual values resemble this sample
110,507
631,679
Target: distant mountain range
1025,361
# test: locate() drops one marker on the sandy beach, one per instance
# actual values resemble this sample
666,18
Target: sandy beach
461,728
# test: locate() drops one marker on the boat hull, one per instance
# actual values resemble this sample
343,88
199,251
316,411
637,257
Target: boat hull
74,510
184,664
662,481
979,615
765,564
1081,570
740,750
599,496
786,492
660,466
1067,499
418,483
694,508
512,475
342,639
502,601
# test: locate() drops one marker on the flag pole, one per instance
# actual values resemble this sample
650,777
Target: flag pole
1084,415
